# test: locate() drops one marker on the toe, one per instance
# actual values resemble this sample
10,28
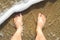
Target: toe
43,18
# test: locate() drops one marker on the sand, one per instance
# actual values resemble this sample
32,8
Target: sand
51,30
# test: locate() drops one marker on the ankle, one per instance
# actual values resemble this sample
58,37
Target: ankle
20,29
39,30
19,26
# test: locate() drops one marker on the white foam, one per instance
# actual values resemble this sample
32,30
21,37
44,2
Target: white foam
17,8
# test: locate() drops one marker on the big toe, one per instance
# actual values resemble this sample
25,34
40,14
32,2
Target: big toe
43,18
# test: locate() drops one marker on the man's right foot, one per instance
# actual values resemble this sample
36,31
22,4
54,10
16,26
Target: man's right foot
41,22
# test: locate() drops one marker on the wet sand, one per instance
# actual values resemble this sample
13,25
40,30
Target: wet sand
51,30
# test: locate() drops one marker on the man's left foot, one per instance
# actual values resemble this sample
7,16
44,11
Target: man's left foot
18,22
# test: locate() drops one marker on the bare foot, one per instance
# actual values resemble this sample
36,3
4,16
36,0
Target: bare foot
41,21
18,21
40,24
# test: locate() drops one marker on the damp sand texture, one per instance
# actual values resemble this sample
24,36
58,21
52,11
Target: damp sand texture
51,30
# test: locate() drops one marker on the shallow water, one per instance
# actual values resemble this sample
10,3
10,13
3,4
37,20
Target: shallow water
51,30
